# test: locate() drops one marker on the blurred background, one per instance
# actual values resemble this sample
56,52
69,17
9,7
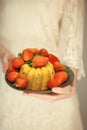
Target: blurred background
82,85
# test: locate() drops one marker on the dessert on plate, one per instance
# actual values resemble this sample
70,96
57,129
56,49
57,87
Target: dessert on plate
37,70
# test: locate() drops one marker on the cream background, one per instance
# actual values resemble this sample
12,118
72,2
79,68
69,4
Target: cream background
82,85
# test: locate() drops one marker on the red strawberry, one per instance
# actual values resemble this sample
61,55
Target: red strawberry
11,68
17,62
27,55
33,50
52,83
21,82
53,58
58,66
61,77
39,61
12,76
43,52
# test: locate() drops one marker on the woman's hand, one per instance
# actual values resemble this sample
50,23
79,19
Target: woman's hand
6,60
58,92
6,57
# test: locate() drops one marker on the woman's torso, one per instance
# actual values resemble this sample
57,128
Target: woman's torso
31,23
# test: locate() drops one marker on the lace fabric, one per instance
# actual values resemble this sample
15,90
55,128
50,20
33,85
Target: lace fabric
72,36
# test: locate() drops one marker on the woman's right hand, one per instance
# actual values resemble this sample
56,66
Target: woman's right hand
6,60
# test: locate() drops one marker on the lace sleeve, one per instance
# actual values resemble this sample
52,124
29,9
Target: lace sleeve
71,35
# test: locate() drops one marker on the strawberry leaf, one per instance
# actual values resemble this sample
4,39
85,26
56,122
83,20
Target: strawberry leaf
37,54
29,63
67,70
19,54
15,85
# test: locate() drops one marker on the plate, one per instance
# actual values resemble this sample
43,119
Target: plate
68,82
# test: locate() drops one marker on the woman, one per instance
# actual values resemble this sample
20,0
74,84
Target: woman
58,26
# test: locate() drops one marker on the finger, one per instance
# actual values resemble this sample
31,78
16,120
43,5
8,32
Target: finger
5,61
51,97
26,93
4,68
48,97
5,64
60,90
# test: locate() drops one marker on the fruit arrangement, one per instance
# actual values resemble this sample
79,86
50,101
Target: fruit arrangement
37,70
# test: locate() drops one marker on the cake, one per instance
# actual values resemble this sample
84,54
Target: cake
37,77
37,70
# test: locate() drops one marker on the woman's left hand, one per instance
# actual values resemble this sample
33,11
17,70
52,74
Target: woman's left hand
58,93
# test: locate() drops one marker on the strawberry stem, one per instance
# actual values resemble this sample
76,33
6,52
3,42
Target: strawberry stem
37,54
29,63
67,70
19,54
15,85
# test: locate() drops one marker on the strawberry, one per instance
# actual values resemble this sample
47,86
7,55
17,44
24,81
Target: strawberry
39,61
53,58
33,50
43,52
61,77
58,66
21,82
52,83
27,55
11,68
17,62
12,76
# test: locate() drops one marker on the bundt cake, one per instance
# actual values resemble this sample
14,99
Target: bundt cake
37,77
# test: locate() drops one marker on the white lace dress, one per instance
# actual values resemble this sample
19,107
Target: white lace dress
58,26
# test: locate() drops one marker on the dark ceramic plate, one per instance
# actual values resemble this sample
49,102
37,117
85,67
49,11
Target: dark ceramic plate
68,82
